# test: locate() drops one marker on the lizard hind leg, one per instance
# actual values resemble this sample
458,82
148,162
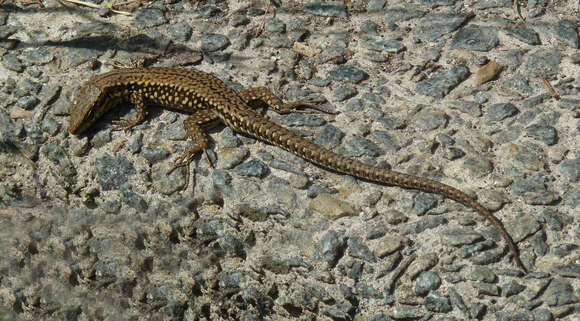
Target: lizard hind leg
193,127
266,96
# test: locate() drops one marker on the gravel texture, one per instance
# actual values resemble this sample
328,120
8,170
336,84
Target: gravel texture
92,228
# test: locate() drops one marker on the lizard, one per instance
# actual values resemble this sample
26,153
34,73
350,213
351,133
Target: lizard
209,100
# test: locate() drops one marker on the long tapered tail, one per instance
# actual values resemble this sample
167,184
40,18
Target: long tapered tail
263,129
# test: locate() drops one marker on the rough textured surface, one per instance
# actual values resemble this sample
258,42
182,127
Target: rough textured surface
93,229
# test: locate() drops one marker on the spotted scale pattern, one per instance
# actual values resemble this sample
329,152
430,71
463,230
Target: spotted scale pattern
208,99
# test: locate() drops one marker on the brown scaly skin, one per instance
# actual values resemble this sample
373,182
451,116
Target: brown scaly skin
209,100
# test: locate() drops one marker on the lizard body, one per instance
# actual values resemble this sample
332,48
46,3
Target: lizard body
208,100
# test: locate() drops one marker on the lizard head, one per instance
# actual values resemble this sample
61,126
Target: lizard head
85,108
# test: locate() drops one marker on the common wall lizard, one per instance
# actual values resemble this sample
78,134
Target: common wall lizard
209,100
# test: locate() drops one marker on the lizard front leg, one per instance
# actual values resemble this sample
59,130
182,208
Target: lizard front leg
126,124
193,127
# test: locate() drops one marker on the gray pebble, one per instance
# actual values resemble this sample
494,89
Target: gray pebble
222,180
238,21
437,25
329,137
512,288
460,236
556,220
317,189
542,62
523,227
336,9
332,246
358,146
527,35
278,164
535,100
458,302
157,295
483,274
569,103
571,169
206,12
155,155
514,315
27,102
335,314
517,85
427,281
487,4
478,166
544,133
275,26
369,27
101,138
330,54
497,112
532,188
436,303
572,199
471,108
181,31
376,5
475,38
254,168
390,46
486,289
231,157
344,92
113,171
563,250
478,310
428,222
58,157
452,153
282,192
149,17
11,62
348,73
565,31
298,35
7,31
430,119
131,198
407,312
442,83
570,270
543,315
232,244
214,42
436,3
34,132
424,202
50,126
255,12
278,265
402,14
302,120
384,139
487,257
357,249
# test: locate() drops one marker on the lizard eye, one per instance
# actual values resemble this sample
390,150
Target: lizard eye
91,115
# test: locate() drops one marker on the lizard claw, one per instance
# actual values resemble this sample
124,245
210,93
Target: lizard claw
123,124
185,159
